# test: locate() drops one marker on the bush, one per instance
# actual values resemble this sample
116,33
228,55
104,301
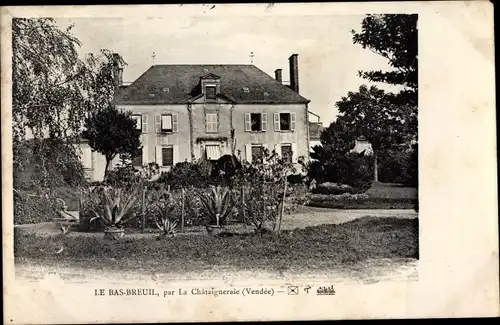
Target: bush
34,209
122,176
295,179
353,169
399,166
225,168
185,174
333,188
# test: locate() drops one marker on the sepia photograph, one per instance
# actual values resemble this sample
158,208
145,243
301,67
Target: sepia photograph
217,148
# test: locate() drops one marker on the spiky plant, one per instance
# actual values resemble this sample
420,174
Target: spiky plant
116,207
217,205
163,211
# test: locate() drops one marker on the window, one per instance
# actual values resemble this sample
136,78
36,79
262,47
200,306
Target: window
167,154
210,92
212,152
137,160
285,121
211,123
138,121
286,152
257,153
166,123
256,120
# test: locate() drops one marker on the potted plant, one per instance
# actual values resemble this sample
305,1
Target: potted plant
116,210
218,207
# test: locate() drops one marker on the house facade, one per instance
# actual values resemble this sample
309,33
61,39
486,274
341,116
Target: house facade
187,112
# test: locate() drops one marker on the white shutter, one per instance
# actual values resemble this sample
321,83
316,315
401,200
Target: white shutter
263,122
294,153
175,123
158,157
145,159
248,123
158,123
292,122
248,152
144,123
175,153
276,121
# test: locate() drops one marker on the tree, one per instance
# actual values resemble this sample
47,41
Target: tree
334,160
371,115
395,37
112,132
53,88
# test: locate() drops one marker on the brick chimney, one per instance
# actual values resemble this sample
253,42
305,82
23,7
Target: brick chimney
117,70
277,75
294,72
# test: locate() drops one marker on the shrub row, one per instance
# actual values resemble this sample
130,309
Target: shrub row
360,201
34,209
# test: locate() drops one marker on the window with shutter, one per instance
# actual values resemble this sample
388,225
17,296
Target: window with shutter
256,122
285,120
286,152
167,154
166,123
257,152
137,160
211,124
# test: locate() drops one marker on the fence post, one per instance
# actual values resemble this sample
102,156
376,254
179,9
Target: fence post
183,196
243,204
143,208
282,205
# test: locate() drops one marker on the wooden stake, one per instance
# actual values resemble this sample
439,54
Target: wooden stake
143,208
282,206
183,196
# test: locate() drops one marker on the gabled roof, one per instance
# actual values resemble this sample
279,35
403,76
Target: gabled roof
178,84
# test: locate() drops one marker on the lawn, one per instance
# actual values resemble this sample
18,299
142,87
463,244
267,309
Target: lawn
322,246
392,191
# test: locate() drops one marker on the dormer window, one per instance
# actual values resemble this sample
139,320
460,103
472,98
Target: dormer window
211,92
210,86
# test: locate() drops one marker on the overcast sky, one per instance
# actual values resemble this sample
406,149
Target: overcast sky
328,60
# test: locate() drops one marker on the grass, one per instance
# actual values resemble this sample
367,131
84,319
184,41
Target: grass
392,191
321,246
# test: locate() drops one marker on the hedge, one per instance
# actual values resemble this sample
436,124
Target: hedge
365,202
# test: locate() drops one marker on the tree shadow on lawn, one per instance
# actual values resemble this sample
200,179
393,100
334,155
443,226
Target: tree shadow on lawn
321,246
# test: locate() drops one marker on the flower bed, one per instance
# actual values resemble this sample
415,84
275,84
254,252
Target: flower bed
359,201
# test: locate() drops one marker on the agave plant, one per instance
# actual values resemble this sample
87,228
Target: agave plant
116,207
217,205
163,216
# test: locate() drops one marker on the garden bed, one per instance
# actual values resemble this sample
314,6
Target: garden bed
367,203
358,240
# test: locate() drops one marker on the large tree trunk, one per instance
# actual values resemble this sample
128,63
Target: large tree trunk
375,167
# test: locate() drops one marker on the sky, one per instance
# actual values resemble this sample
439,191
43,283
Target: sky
328,60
